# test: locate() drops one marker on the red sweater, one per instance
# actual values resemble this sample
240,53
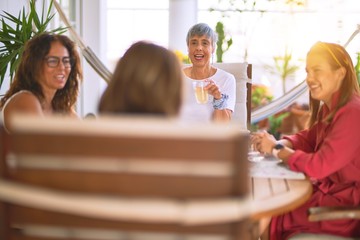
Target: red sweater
330,155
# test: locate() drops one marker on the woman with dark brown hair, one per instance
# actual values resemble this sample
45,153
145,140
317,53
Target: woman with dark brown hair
47,79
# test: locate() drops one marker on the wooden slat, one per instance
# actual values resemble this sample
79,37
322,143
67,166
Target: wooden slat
123,146
127,184
248,96
262,189
334,213
273,197
24,215
279,186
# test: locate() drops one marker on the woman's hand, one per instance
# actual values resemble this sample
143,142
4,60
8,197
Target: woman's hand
213,89
263,142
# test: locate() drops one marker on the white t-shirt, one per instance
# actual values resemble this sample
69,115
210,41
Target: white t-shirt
192,111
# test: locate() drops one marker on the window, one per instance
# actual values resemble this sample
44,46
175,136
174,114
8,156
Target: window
130,21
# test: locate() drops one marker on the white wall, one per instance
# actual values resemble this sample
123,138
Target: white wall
91,22
12,6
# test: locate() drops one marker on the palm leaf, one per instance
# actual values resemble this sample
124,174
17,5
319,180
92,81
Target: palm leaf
33,12
12,18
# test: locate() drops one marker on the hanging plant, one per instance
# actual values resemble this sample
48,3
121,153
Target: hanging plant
16,31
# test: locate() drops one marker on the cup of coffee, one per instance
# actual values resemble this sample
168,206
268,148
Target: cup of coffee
201,94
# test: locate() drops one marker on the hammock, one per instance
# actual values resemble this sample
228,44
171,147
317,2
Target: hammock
278,104
257,114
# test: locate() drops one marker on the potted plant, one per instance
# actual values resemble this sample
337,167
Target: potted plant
284,67
16,31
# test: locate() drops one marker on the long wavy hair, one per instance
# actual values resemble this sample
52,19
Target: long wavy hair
29,72
337,57
147,80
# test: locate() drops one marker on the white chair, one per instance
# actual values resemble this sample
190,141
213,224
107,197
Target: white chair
243,75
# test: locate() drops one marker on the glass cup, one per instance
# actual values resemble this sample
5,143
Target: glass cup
201,94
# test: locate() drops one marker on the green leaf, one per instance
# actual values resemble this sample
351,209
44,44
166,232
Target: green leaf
11,18
48,14
15,61
43,11
35,16
59,30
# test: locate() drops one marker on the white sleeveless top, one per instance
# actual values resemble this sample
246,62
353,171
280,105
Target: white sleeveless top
6,103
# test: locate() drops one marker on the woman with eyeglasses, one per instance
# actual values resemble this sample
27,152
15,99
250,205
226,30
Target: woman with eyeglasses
46,81
328,152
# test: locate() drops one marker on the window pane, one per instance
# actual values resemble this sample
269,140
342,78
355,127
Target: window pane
131,21
139,4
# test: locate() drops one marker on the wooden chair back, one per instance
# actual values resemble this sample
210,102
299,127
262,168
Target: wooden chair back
122,178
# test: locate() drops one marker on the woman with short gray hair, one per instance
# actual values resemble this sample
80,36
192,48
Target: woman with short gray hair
218,93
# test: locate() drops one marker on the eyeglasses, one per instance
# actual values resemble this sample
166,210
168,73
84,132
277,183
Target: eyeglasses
53,61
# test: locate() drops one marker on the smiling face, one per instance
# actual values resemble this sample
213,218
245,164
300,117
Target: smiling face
55,78
200,49
322,79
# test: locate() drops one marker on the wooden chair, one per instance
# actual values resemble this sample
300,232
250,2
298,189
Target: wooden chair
243,75
123,178
316,214
333,213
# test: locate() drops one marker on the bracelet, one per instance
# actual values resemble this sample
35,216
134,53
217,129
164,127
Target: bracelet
220,104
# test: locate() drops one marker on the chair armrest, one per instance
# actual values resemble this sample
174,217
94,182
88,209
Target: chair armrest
333,213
